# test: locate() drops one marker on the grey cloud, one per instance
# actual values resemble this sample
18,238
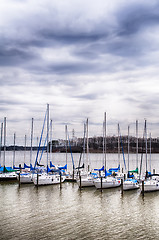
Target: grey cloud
135,17
66,68
103,37
67,37
90,96
11,102
14,56
112,46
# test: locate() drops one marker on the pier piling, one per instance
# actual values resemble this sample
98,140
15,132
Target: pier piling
142,188
101,186
80,180
80,183
73,175
37,179
19,174
60,181
122,186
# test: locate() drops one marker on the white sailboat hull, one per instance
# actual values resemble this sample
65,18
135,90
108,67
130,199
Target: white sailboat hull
47,179
26,178
107,183
86,182
130,185
8,176
150,185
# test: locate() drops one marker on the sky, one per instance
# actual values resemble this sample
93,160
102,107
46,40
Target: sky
83,58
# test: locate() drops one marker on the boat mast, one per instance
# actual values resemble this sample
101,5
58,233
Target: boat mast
4,141
146,143
25,148
87,145
150,152
14,151
84,144
137,144
47,134
128,148
51,139
105,144
1,142
31,141
118,145
66,141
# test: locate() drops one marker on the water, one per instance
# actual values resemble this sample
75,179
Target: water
68,213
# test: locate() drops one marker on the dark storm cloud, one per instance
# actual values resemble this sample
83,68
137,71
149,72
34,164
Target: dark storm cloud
102,37
14,56
126,38
66,36
70,68
136,17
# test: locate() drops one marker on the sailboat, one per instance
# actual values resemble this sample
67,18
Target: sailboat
118,173
130,183
86,179
50,176
151,182
27,177
6,173
136,171
108,181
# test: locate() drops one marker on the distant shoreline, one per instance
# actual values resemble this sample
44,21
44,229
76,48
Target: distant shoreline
76,149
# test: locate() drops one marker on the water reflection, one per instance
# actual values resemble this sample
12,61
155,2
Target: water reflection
68,213
48,212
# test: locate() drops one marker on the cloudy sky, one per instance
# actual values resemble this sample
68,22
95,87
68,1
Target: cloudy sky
83,57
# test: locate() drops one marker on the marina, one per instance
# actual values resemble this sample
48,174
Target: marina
69,212
79,128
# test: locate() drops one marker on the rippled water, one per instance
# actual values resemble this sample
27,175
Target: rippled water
68,213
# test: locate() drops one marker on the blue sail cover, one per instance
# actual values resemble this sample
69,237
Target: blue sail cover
130,175
114,169
48,169
65,167
132,180
94,175
150,175
9,168
52,170
51,165
107,173
26,166
1,169
99,169
31,167
6,169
